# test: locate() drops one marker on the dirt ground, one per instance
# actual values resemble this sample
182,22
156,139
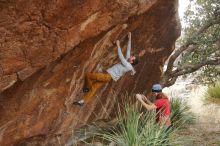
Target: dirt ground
206,129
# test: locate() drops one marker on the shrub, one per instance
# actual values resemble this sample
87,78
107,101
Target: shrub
213,93
180,112
136,130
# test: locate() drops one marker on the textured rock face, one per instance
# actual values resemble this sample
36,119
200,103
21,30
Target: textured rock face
46,47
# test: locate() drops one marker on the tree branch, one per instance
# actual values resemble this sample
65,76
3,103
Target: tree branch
189,42
169,82
191,69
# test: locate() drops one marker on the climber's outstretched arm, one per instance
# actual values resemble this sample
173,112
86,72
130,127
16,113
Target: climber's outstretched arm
128,52
120,55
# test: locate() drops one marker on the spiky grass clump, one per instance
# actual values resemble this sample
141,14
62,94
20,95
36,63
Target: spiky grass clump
213,93
134,129
180,113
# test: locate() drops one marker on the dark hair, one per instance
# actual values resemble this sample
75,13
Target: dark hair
161,95
135,61
156,90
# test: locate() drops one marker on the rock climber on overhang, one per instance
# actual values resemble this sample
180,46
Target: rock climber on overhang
113,73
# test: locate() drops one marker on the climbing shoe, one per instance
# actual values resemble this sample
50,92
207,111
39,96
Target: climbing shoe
85,89
79,103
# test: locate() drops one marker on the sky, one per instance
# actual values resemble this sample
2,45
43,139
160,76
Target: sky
182,8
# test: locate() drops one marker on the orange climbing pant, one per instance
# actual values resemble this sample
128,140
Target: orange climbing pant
100,79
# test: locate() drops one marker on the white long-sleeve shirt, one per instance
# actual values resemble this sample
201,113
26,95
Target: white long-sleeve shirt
119,69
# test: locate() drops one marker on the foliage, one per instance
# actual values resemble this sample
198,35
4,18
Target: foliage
200,13
209,75
213,92
180,113
199,46
136,130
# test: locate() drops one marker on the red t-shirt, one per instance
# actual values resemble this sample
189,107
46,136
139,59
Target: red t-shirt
163,110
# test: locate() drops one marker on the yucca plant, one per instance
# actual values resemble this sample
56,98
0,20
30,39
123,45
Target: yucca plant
213,93
134,129
180,113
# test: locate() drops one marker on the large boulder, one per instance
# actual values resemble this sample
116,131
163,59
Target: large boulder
47,47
